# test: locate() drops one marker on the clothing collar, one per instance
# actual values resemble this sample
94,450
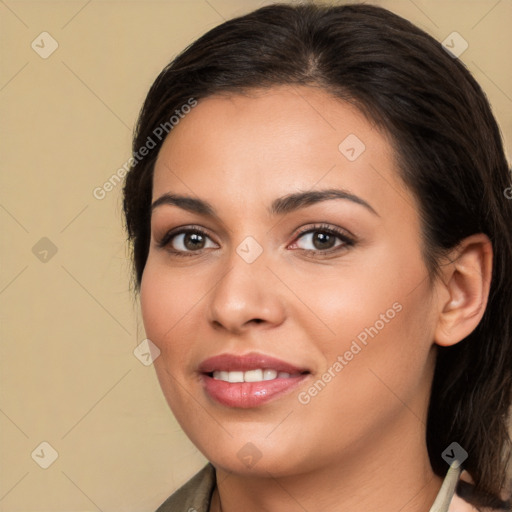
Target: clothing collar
447,490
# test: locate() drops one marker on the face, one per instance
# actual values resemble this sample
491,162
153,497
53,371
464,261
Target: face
261,262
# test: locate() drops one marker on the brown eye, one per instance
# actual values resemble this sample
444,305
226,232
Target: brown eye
186,241
322,240
193,241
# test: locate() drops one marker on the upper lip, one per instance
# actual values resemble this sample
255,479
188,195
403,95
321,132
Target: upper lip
251,361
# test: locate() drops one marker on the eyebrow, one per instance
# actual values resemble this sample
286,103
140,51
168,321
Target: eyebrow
280,206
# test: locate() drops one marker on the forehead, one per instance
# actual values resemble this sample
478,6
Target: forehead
274,141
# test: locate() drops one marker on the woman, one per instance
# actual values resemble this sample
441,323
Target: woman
322,243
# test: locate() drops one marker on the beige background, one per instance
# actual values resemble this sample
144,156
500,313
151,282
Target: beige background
69,324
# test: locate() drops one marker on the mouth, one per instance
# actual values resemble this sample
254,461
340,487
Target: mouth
256,375
250,380
252,361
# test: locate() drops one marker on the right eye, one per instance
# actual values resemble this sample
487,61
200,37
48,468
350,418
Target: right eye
185,241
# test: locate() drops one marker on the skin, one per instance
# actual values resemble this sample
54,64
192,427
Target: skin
359,444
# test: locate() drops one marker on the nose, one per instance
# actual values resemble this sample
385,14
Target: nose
246,295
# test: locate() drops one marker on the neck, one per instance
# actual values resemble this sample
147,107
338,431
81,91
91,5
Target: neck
383,474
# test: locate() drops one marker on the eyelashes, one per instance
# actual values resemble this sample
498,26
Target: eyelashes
195,235
333,234
168,238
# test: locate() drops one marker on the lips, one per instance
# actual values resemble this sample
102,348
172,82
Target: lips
246,395
246,362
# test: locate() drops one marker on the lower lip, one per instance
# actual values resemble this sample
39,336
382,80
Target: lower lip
249,394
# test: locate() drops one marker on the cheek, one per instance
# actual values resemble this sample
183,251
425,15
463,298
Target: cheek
156,306
167,303
376,372
379,320
165,308
365,292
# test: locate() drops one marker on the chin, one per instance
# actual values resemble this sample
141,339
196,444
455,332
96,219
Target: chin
259,459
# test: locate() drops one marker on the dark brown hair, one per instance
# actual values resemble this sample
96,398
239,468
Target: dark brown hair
450,155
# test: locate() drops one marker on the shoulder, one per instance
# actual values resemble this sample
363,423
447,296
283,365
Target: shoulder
195,495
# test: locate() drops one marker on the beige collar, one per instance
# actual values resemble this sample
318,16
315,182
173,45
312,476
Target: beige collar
447,491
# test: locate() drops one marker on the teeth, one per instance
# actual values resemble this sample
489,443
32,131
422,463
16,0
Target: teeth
235,376
269,374
250,375
253,375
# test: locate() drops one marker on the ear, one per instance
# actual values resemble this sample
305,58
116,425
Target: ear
465,289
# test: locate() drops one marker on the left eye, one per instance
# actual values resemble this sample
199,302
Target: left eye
322,239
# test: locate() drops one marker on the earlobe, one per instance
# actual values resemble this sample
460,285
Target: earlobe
467,281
